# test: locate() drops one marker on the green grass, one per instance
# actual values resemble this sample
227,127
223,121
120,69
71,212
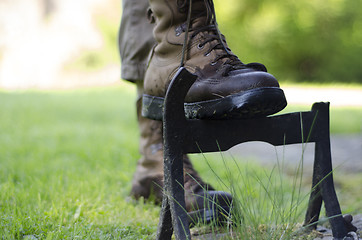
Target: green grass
267,204
66,163
67,159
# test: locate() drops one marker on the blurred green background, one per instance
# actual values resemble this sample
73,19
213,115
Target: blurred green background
299,41
314,41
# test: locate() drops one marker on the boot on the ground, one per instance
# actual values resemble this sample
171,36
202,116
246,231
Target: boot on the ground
203,203
148,178
225,86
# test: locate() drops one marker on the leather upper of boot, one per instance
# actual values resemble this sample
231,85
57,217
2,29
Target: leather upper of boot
220,72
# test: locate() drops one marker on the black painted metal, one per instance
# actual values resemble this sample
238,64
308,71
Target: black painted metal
183,136
174,123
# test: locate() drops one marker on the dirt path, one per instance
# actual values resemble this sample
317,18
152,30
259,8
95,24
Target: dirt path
346,153
337,96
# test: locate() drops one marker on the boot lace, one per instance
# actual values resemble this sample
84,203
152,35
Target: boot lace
211,35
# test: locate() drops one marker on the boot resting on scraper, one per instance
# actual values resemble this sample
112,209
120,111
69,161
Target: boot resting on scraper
225,87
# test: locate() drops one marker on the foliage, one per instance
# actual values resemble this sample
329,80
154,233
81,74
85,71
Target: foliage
314,41
319,41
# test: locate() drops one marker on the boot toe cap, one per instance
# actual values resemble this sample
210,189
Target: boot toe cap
210,206
239,81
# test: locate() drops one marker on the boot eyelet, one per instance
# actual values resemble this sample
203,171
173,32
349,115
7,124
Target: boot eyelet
200,46
207,54
178,31
213,63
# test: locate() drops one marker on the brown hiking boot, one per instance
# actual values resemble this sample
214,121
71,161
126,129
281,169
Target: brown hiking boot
203,203
225,86
148,179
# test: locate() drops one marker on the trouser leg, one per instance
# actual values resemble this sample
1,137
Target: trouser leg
135,42
135,39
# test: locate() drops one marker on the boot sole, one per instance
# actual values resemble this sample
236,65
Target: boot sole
253,103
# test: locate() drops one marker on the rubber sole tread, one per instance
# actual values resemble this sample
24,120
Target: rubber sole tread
253,103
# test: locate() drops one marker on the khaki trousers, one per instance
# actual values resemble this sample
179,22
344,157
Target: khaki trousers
135,39
135,43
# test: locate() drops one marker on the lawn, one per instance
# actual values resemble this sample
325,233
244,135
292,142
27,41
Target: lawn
67,158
